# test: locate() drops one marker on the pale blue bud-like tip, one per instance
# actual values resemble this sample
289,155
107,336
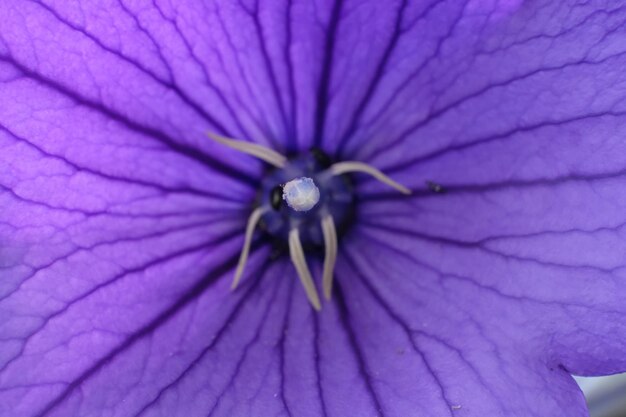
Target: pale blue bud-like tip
301,194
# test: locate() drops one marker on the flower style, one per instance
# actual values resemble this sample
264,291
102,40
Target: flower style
122,223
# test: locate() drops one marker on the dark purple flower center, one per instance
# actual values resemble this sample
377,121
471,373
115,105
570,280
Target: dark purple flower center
336,198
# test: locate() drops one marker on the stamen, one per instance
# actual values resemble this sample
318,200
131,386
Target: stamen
297,257
296,183
355,166
243,258
268,155
330,244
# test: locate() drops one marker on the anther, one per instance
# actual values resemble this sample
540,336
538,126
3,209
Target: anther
243,258
321,157
354,166
276,197
266,154
299,261
301,194
330,256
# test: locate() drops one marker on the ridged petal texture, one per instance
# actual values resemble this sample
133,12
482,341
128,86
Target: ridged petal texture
121,222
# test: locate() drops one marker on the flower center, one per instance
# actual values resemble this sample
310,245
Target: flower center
301,194
301,201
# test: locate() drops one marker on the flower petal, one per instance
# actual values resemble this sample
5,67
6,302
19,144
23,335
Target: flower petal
531,156
113,298
419,348
115,216
552,248
95,258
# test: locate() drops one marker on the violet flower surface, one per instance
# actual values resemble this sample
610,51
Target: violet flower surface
121,222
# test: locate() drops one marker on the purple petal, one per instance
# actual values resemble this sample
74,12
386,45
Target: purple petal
531,155
121,223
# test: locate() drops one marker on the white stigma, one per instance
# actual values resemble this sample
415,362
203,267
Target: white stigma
301,194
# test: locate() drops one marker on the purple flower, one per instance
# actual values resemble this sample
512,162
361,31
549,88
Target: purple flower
121,223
